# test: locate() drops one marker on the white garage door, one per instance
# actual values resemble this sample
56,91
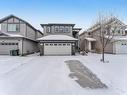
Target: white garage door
57,49
6,47
121,47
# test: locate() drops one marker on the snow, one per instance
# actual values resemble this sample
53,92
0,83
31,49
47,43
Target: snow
120,38
15,35
90,39
57,37
48,75
11,35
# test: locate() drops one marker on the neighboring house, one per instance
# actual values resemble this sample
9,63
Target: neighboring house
59,39
17,34
89,41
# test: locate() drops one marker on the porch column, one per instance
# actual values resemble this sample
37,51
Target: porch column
41,49
89,45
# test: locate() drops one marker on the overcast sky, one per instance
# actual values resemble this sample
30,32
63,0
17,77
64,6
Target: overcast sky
83,13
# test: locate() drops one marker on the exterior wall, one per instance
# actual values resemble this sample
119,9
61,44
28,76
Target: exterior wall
109,48
38,35
29,47
31,33
82,41
23,29
52,30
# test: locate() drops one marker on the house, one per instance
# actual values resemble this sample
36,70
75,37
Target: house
17,34
59,39
89,41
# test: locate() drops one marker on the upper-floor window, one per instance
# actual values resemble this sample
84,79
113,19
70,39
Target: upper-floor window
56,29
48,29
61,28
66,29
13,27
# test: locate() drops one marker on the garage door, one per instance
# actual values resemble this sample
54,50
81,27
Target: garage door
57,49
6,47
121,47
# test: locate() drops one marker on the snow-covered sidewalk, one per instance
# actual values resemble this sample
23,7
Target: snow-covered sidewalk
49,75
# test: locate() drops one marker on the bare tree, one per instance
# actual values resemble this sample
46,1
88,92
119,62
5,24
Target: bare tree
108,28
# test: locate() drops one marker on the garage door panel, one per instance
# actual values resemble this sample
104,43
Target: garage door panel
57,49
121,47
5,48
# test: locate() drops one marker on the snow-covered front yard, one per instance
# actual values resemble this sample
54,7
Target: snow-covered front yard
49,75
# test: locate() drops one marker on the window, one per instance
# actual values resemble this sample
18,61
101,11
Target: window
61,28
13,27
56,29
66,29
55,44
48,29
68,44
64,44
8,43
118,31
46,44
60,44
51,44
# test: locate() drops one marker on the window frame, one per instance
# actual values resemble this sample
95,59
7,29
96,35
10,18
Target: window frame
10,27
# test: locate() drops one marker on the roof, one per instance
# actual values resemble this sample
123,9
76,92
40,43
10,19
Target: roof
7,35
83,33
11,35
10,16
110,20
90,39
50,24
77,29
57,37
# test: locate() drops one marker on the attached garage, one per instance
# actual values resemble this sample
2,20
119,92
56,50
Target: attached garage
121,47
57,49
57,45
6,47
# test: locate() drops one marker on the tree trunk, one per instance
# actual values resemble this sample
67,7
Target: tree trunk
103,58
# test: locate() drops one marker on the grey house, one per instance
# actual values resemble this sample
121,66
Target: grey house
59,39
17,34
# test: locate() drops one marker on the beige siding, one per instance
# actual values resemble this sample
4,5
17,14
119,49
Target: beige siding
23,29
109,48
4,27
29,47
30,33
38,35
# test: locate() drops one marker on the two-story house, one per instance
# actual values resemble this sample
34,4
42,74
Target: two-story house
59,39
90,39
17,34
